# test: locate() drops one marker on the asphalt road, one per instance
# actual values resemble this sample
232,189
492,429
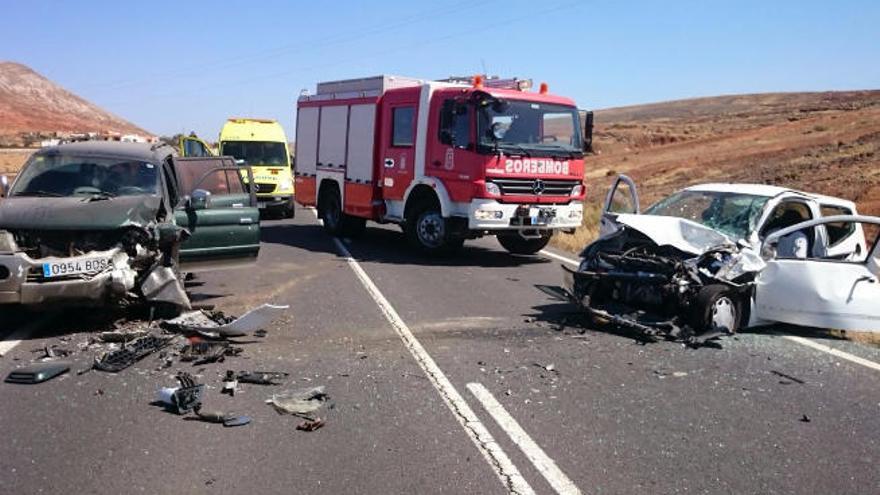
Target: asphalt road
444,376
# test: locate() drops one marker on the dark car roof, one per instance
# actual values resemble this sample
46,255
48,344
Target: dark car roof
147,152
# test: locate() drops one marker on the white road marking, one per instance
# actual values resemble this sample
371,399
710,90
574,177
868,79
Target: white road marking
834,352
507,473
545,465
559,258
799,340
16,336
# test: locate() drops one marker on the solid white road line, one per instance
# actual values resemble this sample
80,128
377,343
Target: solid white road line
486,444
834,352
545,465
16,336
799,340
559,258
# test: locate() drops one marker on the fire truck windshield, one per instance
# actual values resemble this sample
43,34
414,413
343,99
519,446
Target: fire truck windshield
529,128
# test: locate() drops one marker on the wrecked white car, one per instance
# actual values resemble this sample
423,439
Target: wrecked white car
102,222
716,258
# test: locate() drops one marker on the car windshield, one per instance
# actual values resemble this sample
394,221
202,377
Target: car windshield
61,175
530,128
256,152
733,214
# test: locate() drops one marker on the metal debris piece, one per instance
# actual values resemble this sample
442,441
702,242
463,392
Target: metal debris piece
37,373
260,333
204,352
163,285
299,402
310,425
117,336
118,360
805,419
262,377
185,398
229,383
53,351
548,367
223,418
216,326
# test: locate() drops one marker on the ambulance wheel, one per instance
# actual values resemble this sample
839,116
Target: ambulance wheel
517,244
288,211
427,230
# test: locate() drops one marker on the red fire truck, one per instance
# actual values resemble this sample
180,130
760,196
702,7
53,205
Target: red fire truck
447,160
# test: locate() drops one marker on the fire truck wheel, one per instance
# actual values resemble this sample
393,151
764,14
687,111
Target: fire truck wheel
330,211
517,244
429,231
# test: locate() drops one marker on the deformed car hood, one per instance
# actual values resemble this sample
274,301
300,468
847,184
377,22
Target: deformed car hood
685,235
78,213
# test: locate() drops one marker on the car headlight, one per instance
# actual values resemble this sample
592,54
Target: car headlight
577,190
285,185
7,242
493,189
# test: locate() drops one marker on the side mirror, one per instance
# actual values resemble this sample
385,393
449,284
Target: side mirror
588,132
200,199
4,186
240,162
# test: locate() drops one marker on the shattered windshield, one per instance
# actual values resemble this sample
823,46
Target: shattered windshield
256,152
733,214
61,175
530,128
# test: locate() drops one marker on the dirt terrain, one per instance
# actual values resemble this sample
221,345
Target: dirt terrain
12,160
30,103
817,142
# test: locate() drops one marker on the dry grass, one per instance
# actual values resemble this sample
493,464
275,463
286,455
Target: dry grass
11,161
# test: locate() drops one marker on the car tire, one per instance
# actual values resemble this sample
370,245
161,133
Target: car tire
288,211
517,244
717,307
428,231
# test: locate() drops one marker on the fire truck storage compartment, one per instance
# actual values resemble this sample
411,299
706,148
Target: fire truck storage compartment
307,141
331,138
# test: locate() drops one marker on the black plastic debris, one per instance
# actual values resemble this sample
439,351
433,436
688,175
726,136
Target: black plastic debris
188,396
228,420
230,384
261,377
310,425
118,360
205,352
37,373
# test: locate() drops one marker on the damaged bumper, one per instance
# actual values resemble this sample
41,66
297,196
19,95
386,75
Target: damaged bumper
27,280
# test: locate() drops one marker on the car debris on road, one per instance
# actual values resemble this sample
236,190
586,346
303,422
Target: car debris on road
38,373
712,259
216,325
299,402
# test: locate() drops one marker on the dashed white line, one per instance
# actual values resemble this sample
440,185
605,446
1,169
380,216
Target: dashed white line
501,464
545,465
559,258
834,352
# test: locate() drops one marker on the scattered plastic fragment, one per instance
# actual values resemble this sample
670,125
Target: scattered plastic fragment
216,326
37,373
229,383
805,419
228,420
310,425
118,360
261,377
184,398
117,336
299,402
204,352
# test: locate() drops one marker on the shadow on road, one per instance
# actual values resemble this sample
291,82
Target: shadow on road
384,245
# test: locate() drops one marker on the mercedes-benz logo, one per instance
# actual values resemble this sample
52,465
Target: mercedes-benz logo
538,186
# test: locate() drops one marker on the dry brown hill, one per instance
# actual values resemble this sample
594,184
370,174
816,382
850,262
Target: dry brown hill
819,142
30,103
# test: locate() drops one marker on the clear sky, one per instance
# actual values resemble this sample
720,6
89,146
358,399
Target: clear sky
180,66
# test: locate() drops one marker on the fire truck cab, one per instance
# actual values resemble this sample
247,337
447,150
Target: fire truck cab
447,160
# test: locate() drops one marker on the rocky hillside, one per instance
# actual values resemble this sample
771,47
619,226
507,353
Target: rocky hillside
30,103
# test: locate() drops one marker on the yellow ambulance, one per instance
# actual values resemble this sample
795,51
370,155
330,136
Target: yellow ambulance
262,144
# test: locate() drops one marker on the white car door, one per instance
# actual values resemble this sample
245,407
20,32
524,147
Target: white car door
623,197
825,293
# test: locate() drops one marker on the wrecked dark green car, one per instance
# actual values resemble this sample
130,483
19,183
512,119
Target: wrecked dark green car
106,222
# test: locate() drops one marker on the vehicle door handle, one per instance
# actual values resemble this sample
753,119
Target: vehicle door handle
866,278
245,221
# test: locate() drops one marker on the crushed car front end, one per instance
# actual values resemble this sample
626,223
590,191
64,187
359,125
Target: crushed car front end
629,279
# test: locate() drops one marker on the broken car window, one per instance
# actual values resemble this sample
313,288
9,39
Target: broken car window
63,175
734,214
191,175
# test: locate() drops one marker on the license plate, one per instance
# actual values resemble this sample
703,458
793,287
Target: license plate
76,266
